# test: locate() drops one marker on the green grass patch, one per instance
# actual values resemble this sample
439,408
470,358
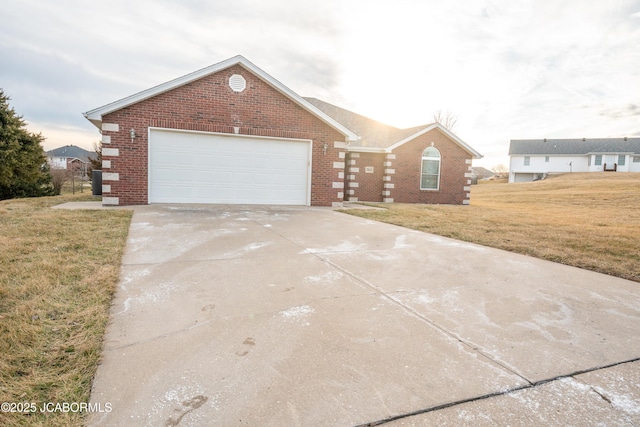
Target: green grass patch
58,273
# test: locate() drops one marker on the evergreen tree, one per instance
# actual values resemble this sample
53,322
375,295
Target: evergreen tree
95,163
23,164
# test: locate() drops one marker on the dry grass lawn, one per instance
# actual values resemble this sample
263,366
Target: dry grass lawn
59,269
58,272
588,220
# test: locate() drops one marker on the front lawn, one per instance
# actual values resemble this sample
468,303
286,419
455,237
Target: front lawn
588,220
58,273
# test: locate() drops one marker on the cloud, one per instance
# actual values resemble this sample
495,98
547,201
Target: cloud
48,88
630,110
507,69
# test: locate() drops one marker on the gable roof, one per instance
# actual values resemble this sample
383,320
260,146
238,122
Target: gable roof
372,133
95,115
376,136
567,147
482,172
444,130
70,152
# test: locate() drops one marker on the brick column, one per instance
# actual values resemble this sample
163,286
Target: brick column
340,165
467,188
108,153
353,171
389,172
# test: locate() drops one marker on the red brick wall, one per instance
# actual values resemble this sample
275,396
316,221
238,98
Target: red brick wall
408,163
210,105
369,185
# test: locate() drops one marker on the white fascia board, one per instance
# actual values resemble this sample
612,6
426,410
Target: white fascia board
550,155
414,136
365,150
444,130
349,136
608,153
95,115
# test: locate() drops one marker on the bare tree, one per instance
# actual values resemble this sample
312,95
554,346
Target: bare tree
446,119
58,178
95,163
500,170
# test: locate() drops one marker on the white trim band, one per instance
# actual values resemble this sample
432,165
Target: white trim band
111,127
110,201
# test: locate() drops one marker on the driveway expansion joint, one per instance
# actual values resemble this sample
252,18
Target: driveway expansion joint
314,357
502,393
426,320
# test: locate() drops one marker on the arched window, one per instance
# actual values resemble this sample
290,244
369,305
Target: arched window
430,178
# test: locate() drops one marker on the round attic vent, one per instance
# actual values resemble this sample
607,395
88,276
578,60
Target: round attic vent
237,83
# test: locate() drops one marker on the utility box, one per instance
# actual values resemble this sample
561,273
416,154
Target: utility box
96,182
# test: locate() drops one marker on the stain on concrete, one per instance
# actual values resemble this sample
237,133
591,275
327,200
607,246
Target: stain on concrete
188,406
250,342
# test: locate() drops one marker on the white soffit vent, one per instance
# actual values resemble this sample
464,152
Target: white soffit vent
237,83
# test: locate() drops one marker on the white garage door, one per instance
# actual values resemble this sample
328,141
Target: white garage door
193,167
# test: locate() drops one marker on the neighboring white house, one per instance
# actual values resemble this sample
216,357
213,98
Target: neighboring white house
532,159
63,157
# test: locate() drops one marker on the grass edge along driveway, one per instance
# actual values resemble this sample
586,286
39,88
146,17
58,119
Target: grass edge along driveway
58,273
586,220
59,268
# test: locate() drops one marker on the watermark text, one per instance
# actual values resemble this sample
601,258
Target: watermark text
31,407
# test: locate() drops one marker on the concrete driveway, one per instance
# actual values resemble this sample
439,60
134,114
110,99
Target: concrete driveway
270,316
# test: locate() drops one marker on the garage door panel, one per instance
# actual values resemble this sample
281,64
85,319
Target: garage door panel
181,193
206,159
242,179
207,176
212,168
222,177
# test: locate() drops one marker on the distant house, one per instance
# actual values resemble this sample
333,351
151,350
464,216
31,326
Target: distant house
532,159
480,173
64,157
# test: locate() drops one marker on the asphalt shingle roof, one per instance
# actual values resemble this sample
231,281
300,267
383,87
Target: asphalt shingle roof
70,151
373,133
482,172
550,147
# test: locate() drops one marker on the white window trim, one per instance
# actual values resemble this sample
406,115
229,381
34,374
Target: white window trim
422,159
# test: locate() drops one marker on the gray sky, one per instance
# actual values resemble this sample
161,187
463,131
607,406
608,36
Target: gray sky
509,69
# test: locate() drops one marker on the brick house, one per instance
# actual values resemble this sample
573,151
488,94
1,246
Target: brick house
424,164
231,133
68,156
